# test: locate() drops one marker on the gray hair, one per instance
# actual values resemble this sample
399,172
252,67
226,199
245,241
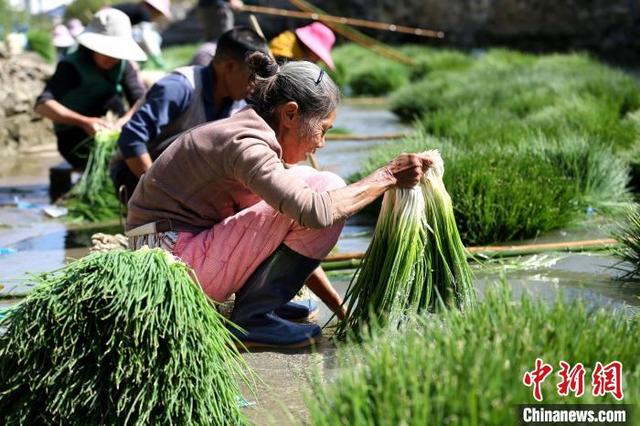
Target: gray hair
300,81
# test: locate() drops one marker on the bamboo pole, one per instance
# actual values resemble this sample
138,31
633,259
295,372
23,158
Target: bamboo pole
502,251
355,22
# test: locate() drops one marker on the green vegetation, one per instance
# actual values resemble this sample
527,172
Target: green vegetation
416,260
530,142
119,338
507,193
629,235
84,9
40,42
467,367
361,72
93,198
506,97
174,57
39,29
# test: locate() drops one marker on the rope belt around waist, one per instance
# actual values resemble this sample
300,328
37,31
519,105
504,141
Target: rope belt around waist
163,225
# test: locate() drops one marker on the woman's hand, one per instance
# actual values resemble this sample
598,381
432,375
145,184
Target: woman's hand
408,169
404,171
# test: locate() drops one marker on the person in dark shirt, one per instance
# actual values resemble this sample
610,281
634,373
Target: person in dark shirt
186,98
91,81
216,16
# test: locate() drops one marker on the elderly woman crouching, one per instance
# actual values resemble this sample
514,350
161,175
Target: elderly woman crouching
226,200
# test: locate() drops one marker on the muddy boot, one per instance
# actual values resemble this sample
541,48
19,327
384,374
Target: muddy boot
270,287
298,310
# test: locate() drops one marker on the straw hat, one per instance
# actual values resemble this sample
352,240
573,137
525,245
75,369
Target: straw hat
319,39
162,6
62,37
109,33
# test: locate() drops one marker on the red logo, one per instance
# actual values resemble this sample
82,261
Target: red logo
572,379
536,377
607,379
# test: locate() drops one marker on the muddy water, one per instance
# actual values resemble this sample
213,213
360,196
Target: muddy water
43,244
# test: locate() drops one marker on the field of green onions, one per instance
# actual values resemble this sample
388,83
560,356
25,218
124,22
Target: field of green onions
530,142
468,367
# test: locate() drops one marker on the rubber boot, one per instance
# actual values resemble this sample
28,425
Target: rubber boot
270,287
298,310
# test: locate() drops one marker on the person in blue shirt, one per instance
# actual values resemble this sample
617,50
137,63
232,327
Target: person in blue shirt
186,98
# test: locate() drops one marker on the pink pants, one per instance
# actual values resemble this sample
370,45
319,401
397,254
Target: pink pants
225,256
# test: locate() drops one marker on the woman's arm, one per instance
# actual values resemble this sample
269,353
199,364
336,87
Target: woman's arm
259,169
405,171
59,113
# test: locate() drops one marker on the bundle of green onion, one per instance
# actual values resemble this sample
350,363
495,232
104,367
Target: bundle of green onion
119,337
93,198
416,260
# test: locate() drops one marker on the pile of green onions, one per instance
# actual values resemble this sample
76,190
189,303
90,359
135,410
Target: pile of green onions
119,337
93,198
416,260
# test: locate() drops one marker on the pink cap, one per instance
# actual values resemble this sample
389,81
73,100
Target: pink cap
62,37
319,39
75,27
162,6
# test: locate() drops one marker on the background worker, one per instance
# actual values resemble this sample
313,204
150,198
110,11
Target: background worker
216,17
90,82
312,43
227,200
144,15
62,40
145,11
184,99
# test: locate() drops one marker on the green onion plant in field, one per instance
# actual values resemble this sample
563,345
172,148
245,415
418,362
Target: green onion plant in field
628,235
467,367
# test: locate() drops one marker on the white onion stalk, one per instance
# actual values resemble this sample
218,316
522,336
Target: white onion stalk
416,260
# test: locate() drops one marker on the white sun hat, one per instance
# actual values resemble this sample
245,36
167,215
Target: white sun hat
109,33
162,6
62,37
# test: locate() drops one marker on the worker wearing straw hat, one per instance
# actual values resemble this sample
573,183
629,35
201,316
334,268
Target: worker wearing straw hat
312,42
146,10
90,82
228,199
62,40
185,98
144,16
